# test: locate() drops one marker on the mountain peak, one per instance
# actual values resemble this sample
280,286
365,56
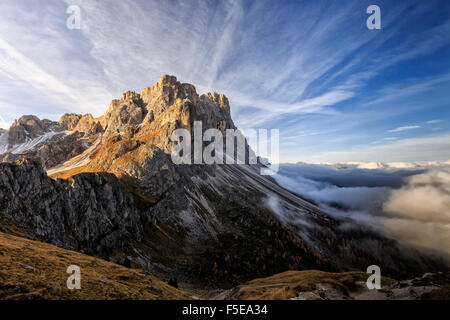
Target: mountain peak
167,79
163,107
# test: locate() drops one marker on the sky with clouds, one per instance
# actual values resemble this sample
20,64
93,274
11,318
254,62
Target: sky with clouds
336,90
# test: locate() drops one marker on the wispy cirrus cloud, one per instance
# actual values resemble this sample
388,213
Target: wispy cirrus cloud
17,66
409,88
433,121
431,148
400,129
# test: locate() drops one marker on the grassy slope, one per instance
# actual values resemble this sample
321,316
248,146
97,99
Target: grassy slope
334,286
286,285
47,279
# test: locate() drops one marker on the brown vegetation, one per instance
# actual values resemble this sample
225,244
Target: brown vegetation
35,270
286,285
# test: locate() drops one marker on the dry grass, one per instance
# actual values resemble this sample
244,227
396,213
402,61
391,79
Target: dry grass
286,285
66,174
112,154
150,136
47,277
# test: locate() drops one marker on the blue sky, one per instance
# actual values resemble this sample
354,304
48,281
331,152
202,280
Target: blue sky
336,90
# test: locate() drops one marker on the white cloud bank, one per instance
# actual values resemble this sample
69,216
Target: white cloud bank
421,210
411,205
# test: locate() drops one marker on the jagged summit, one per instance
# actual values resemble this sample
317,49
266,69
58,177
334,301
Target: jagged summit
167,94
151,114
139,125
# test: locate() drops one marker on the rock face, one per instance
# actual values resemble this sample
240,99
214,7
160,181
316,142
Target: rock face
111,190
93,209
30,127
69,121
50,153
51,143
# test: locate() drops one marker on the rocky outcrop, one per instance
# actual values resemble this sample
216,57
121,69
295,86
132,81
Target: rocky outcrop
48,142
57,150
87,124
69,121
81,123
30,127
124,115
88,213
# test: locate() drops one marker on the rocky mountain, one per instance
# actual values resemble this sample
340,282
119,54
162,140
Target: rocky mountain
47,141
107,187
30,127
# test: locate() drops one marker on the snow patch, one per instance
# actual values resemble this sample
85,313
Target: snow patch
4,145
33,143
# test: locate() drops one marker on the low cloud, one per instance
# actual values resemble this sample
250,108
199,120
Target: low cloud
426,197
409,205
420,210
348,175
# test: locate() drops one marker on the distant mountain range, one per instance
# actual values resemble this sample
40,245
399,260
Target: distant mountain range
387,165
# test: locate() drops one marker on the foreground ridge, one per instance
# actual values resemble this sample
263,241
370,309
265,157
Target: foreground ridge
36,270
